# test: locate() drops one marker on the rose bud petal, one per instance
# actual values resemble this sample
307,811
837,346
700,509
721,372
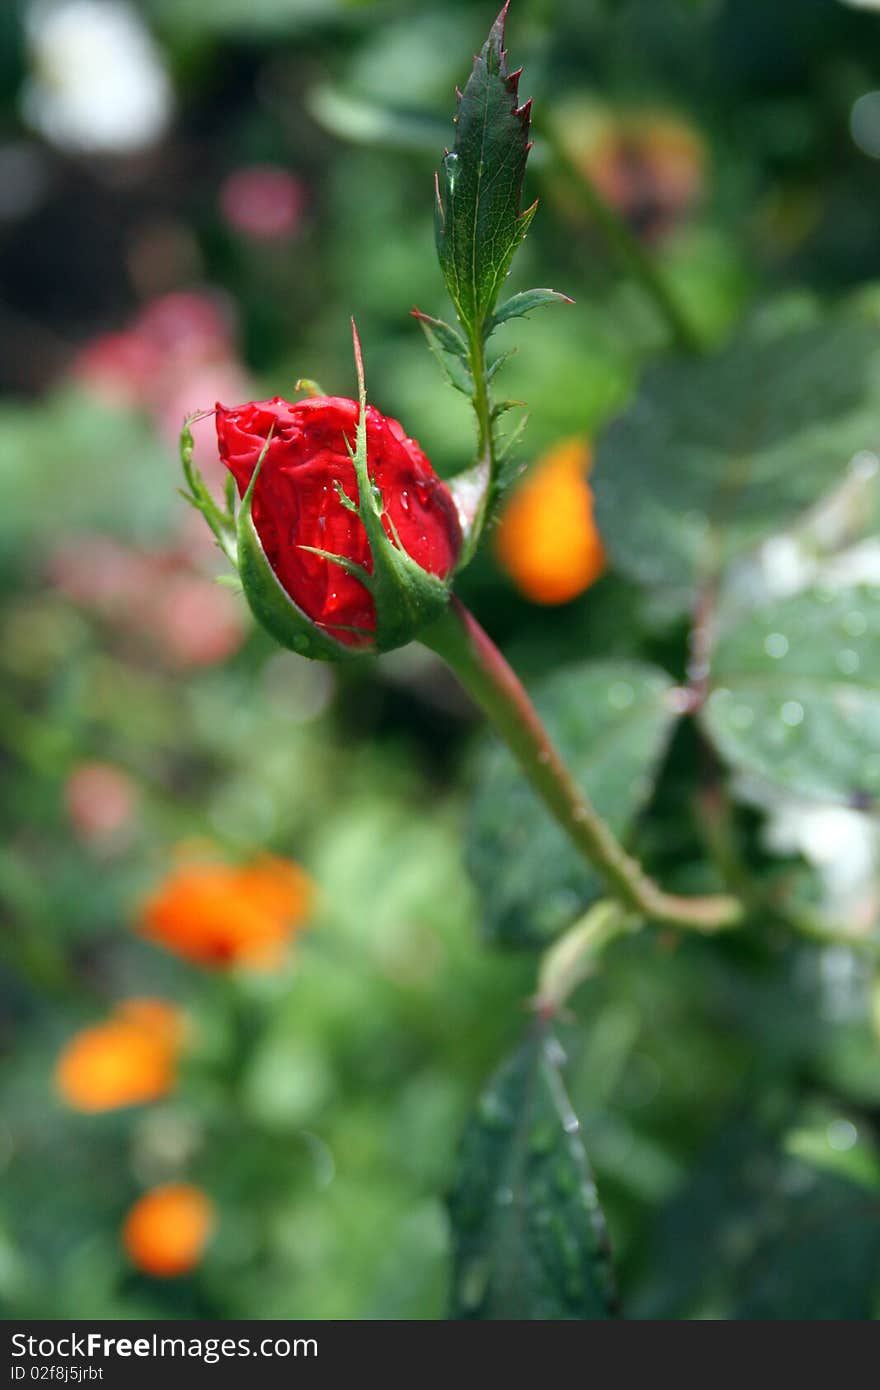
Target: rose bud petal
352,522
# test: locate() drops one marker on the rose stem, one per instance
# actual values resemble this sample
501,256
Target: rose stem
477,663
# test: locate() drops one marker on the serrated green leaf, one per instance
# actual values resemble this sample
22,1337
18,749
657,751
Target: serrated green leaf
611,722
520,304
479,187
450,350
716,454
528,1231
795,694
448,338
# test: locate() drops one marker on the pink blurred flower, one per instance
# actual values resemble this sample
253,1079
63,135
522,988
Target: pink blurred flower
179,351
110,579
187,325
197,622
102,803
199,388
263,201
156,599
119,367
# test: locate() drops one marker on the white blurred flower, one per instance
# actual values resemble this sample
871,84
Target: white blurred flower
98,83
863,4
841,844
858,565
827,545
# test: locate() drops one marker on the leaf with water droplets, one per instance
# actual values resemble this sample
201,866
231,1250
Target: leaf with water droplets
716,454
529,1234
795,694
611,721
480,222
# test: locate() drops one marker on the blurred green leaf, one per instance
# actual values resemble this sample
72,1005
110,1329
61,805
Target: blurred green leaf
529,1234
611,722
363,121
479,188
795,693
248,17
762,1233
716,454
125,479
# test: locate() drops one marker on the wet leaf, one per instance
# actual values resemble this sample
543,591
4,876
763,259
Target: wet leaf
480,222
795,694
761,1233
716,454
529,1234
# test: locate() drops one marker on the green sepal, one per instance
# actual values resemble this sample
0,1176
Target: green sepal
221,523
307,387
270,603
407,597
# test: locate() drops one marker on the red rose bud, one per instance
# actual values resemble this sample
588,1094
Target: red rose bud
346,536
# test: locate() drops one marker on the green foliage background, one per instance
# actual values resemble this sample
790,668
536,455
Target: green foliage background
728,1091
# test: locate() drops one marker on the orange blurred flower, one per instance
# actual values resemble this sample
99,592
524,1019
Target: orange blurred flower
223,914
128,1060
547,540
166,1230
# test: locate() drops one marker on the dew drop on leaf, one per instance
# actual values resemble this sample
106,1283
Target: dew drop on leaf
776,644
620,695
